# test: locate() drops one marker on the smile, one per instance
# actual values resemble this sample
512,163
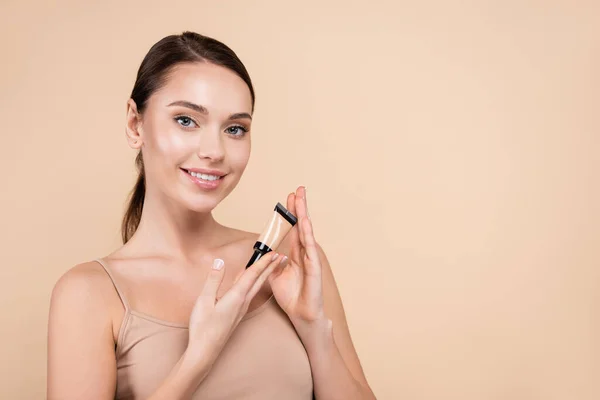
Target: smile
205,177
207,180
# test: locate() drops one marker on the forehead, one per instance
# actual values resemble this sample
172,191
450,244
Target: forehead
217,88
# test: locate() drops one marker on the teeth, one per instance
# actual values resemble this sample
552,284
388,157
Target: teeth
204,176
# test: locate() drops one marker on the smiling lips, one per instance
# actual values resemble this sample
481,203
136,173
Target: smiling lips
205,178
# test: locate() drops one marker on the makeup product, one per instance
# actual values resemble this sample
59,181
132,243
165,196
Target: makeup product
278,227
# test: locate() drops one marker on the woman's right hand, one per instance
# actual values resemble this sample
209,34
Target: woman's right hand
211,324
213,320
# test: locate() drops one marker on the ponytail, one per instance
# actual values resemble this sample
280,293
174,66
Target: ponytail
133,215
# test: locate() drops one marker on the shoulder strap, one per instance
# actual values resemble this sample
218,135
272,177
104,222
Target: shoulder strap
115,284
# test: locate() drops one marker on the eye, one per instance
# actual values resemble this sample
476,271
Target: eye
185,121
237,130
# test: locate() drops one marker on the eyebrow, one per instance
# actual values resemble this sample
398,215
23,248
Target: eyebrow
202,110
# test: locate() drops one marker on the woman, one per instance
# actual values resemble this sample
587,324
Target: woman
174,314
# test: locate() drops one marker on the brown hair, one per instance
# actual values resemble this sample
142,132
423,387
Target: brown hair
152,74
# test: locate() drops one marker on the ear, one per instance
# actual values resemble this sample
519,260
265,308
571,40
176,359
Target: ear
133,126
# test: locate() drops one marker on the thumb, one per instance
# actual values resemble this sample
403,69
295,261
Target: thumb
214,279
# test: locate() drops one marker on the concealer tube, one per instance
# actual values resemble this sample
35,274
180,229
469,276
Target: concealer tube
278,227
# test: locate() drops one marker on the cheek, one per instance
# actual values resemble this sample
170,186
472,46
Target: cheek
168,146
171,145
239,155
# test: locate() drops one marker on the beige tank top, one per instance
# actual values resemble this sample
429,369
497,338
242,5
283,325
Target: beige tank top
264,359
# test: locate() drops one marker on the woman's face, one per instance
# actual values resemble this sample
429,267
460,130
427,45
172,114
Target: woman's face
195,135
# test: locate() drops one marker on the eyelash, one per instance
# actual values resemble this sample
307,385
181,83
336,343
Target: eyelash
242,128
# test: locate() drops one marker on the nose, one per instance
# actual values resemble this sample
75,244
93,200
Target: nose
210,145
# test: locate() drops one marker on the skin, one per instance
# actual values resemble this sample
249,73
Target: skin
165,269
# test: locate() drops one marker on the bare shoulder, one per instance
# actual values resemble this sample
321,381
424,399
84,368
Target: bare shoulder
81,357
84,285
83,301
81,278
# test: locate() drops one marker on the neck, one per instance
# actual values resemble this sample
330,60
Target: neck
167,229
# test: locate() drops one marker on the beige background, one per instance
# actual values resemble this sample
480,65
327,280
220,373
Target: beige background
450,150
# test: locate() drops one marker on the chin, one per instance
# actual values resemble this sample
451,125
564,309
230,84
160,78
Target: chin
204,205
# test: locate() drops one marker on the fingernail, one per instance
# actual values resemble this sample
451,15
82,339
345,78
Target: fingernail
275,256
283,260
218,264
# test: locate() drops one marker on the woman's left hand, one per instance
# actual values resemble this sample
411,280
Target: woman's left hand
297,287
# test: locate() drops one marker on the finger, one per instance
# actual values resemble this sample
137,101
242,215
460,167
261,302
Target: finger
301,212
281,261
293,235
277,271
251,275
310,243
214,280
301,207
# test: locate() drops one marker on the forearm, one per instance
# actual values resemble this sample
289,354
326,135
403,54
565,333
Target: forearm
331,377
183,380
